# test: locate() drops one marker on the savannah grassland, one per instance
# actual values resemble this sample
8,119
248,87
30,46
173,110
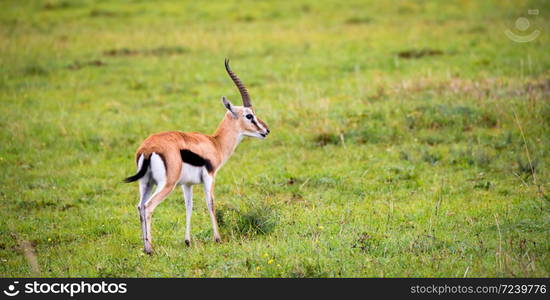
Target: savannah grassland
409,138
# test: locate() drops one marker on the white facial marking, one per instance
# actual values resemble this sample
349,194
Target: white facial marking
260,131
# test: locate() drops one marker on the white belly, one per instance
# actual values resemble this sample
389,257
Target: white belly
191,174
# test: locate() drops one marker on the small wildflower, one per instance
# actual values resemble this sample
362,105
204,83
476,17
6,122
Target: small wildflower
49,239
266,255
270,261
321,227
258,268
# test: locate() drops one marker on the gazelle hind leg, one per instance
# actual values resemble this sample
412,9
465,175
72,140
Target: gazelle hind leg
209,197
162,191
166,179
145,189
188,196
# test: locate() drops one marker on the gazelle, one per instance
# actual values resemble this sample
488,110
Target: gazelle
173,158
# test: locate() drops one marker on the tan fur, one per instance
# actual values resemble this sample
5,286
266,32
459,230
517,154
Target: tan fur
217,148
239,121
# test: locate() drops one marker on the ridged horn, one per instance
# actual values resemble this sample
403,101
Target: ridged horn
239,84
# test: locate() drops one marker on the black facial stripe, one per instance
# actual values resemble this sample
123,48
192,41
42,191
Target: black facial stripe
196,160
255,124
263,124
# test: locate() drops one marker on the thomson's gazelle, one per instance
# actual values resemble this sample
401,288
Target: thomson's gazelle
173,158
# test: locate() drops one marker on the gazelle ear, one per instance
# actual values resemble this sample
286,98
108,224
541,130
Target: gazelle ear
229,106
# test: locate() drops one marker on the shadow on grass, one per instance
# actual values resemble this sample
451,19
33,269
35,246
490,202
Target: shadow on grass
249,221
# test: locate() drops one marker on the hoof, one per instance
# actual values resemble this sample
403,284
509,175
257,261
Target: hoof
148,250
187,243
217,240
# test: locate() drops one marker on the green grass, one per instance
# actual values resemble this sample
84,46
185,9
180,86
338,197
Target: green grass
409,138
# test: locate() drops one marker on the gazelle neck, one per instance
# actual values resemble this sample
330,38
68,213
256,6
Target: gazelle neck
228,136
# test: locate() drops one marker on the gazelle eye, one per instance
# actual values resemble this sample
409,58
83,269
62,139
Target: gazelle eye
249,116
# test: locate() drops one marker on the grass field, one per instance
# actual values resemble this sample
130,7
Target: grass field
409,138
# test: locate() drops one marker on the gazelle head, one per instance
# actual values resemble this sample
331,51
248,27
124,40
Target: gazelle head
246,120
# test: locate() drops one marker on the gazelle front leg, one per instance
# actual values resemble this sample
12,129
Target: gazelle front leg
209,197
188,196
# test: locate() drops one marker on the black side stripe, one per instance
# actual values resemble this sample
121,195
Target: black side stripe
196,160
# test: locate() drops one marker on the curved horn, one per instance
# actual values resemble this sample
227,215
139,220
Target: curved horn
239,84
